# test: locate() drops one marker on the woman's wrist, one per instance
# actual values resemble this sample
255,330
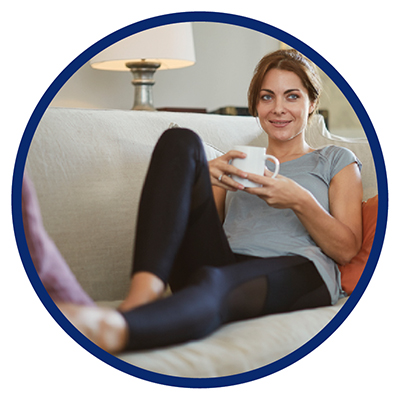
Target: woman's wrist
303,201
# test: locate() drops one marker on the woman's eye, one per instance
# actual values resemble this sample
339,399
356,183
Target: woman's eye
293,96
266,97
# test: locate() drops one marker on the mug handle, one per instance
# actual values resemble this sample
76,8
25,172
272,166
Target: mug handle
276,162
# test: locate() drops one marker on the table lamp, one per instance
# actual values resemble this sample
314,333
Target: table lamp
164,47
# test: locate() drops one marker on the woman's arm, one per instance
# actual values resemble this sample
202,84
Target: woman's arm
338,233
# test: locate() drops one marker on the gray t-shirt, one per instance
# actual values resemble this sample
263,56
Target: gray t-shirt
254,228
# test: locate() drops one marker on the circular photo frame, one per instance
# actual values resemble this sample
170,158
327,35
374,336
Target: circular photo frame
245,23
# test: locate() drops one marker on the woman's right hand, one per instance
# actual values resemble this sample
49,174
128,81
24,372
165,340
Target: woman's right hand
220,170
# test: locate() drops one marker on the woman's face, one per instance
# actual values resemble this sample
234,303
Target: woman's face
283,105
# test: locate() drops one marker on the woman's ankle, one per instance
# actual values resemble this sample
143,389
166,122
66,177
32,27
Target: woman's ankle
145,288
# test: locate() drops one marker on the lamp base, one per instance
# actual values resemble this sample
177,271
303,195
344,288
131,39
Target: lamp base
143,81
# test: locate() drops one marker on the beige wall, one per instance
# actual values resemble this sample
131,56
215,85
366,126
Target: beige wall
343,121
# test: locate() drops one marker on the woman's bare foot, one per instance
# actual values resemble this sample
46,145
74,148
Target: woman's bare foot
105,327
145,288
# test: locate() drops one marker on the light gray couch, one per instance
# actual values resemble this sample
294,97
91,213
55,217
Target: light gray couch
88,167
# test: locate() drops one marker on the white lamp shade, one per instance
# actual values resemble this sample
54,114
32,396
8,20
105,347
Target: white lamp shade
171,45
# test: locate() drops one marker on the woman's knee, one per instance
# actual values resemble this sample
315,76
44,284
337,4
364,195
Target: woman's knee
209,276
180,139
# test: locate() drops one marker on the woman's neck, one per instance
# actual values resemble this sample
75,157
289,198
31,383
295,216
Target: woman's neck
290,150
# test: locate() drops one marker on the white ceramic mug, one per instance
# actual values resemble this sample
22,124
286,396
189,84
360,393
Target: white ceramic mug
254,163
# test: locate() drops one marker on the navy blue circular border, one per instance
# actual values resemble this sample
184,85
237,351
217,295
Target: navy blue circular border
219,18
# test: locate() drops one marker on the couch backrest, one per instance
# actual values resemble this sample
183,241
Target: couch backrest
88,167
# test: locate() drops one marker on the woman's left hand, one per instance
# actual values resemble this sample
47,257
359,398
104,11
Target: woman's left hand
278,192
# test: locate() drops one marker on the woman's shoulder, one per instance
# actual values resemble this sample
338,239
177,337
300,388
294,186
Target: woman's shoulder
338,157
332,151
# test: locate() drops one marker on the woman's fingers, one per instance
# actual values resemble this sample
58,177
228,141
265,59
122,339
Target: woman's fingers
230,155
221,171
221,177
265,181
230,184
262,179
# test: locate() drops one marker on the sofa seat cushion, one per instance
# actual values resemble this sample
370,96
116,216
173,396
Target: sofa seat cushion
237,347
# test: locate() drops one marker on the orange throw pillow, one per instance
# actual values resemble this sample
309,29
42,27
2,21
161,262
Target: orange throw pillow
352,271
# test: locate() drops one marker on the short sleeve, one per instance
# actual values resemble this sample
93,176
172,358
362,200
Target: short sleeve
341,158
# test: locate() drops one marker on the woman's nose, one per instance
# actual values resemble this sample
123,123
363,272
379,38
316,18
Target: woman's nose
279,106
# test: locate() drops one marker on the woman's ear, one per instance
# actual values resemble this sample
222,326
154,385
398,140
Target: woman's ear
312,108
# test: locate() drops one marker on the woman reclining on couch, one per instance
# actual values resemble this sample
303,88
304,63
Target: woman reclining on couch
278,246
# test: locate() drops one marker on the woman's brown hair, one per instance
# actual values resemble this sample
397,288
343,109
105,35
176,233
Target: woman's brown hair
287,60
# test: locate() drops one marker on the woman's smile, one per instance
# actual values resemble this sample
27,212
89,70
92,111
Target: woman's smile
284,105
280,123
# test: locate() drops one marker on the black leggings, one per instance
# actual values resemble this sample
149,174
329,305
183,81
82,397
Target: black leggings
180,239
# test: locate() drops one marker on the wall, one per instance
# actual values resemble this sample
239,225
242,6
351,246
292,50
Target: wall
225,58
343,121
